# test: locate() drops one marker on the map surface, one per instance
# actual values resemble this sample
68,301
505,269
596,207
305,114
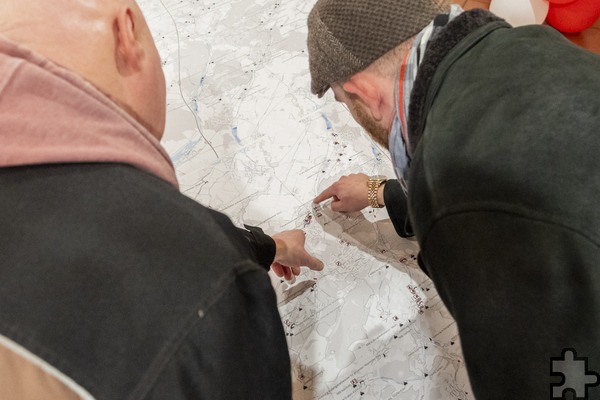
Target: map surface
249,139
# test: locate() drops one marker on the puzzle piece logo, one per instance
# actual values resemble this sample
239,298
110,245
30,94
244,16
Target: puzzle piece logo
575,375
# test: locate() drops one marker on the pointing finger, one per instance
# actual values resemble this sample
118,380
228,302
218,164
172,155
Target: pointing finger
313,263
325,194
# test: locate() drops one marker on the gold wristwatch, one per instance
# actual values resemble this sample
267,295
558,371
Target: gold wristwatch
373,185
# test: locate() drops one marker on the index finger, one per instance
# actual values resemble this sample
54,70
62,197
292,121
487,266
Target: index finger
313,263
325,194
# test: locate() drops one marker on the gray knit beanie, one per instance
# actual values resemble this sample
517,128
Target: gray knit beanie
346,36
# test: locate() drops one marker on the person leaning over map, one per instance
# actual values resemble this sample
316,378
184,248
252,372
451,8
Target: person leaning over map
113,284
493,132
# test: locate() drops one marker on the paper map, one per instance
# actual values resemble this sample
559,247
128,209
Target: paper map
249,139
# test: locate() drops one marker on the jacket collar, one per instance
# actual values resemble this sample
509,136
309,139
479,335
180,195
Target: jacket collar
438,48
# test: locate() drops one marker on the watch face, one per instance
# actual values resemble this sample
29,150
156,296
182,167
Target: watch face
378,178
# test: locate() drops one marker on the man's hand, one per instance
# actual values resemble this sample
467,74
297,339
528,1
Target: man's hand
291,255
349,193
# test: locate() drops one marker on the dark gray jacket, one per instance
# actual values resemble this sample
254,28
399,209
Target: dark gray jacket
504,190
133,290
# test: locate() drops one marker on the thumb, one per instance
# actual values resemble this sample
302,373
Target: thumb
337,206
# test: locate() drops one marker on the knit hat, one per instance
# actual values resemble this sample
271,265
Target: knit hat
346,36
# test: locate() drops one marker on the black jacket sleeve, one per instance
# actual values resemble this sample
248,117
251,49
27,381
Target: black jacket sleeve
397,207
262,245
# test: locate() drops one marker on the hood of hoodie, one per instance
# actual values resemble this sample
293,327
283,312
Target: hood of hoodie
50,115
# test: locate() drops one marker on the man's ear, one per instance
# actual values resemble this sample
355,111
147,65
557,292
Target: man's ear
129,52
362,85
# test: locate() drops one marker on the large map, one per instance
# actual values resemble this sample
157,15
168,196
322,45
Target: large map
249,139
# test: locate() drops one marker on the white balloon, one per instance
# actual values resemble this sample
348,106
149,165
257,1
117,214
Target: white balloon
521,12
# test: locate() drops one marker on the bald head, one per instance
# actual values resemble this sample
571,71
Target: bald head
106,41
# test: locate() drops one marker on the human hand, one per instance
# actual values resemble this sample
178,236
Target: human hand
290,254
349,193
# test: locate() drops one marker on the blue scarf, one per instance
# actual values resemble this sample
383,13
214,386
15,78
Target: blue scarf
408,72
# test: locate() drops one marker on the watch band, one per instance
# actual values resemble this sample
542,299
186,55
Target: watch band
373,185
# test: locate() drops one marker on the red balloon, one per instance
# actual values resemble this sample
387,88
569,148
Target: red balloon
573,17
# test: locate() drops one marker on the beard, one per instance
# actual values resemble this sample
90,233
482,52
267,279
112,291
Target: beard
373,128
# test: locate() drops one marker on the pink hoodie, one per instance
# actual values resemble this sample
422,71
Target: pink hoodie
49,114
